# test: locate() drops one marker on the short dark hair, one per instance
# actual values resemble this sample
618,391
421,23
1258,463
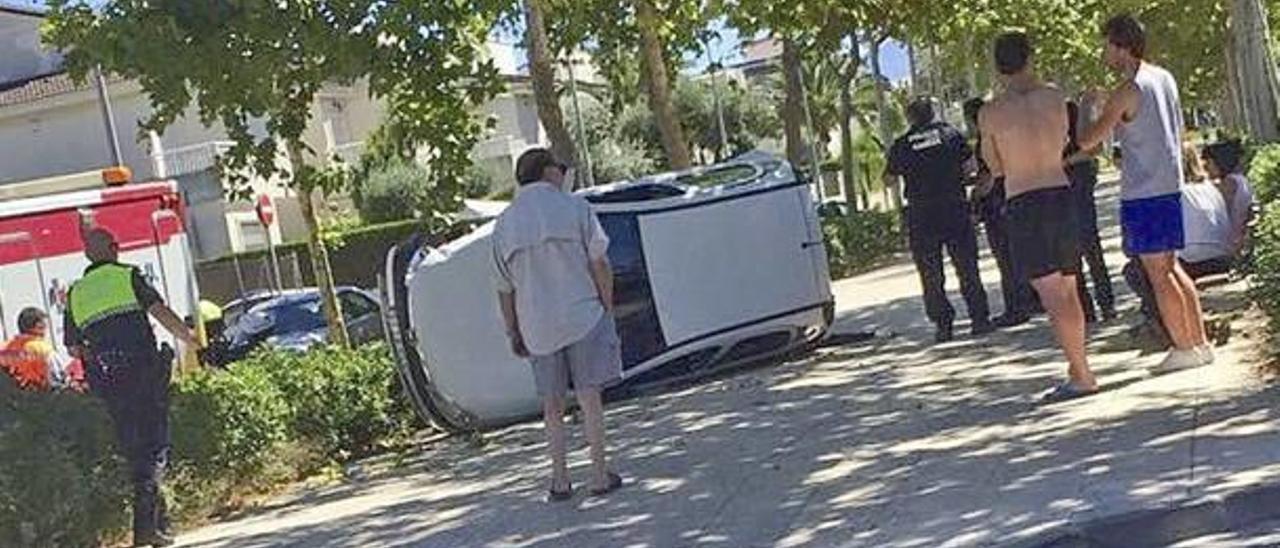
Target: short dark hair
1228,155
920,111
1126,32
532,163
972,108
29,318
1012,52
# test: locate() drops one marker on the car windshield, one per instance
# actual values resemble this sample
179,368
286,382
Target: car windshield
295,314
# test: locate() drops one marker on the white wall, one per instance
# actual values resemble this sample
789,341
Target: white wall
66,134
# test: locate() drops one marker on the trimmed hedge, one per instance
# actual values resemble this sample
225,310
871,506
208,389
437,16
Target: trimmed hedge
861,241
1264,173
1264,287
61,483
273,418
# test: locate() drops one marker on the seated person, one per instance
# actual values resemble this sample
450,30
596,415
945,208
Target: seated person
1210,249
1224,163
30,358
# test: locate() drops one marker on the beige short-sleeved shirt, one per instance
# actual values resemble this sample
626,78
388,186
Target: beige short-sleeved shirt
543,245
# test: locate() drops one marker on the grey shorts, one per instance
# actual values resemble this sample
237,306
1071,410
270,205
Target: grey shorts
593,362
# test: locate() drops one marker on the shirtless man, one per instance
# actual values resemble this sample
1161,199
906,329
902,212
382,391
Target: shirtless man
1145,111
1025,132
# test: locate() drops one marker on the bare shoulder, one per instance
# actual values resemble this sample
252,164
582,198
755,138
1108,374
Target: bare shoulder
994,107
1051,92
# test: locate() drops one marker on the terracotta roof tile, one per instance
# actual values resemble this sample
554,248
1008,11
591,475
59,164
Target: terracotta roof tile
43,87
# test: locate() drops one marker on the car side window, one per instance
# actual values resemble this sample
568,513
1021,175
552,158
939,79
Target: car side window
355,306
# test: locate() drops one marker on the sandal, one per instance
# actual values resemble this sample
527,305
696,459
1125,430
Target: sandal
615,482
560,496
1067,391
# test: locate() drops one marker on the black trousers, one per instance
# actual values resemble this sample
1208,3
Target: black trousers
1019,298
135,388
1084,180
928,237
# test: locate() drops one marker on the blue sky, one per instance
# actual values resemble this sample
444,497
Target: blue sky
893,55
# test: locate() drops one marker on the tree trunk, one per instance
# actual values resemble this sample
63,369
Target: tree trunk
319,254
913,64
937,82
1259,91
848,167
543,73
1232,116
793,104
971,73
882,110
655,67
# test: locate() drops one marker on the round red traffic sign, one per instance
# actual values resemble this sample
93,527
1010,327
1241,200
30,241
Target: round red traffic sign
266,210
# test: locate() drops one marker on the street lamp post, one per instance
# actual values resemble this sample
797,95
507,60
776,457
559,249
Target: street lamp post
714,66
813,145
715,95
108,117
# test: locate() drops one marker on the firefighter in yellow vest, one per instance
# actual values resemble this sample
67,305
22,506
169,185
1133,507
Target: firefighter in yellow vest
107,326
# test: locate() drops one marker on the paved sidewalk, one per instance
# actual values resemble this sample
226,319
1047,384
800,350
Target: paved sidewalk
891,443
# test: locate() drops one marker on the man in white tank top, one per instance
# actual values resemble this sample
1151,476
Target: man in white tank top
1145,113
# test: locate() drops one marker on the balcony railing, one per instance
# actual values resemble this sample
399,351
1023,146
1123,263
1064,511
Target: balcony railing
193,158
349,153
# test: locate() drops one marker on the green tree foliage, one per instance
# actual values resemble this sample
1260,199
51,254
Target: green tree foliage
637,44
616,154
390,192
1264,284
272,418
1264,173
254,68
399,190
749,117
61,484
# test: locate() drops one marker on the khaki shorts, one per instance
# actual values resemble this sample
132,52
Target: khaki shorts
593,362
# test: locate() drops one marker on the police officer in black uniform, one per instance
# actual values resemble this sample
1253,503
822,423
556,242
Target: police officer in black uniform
936,162
106,325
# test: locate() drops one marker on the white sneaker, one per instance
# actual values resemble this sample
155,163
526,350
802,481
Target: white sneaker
1206,353
1177,360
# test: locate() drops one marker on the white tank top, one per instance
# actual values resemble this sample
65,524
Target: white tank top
1152,143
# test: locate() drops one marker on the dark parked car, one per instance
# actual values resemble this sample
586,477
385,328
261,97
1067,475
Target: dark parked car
294,320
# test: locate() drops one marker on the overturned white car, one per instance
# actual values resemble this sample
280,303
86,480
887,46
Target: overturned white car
714,267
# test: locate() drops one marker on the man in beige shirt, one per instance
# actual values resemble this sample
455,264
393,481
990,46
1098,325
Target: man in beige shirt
555,288
1024,136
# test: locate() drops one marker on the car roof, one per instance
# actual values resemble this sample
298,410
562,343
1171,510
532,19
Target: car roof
258,297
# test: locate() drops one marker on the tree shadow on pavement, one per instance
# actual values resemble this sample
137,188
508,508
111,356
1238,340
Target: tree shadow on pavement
888,443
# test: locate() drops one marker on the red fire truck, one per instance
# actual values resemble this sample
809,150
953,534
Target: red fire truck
41,251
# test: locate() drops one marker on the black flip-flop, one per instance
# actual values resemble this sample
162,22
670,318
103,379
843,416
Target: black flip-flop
1067,391
560,496
615,482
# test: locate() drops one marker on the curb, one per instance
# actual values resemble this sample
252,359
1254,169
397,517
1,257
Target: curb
1163,527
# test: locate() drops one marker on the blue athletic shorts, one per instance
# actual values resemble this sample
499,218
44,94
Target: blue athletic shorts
1152,225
